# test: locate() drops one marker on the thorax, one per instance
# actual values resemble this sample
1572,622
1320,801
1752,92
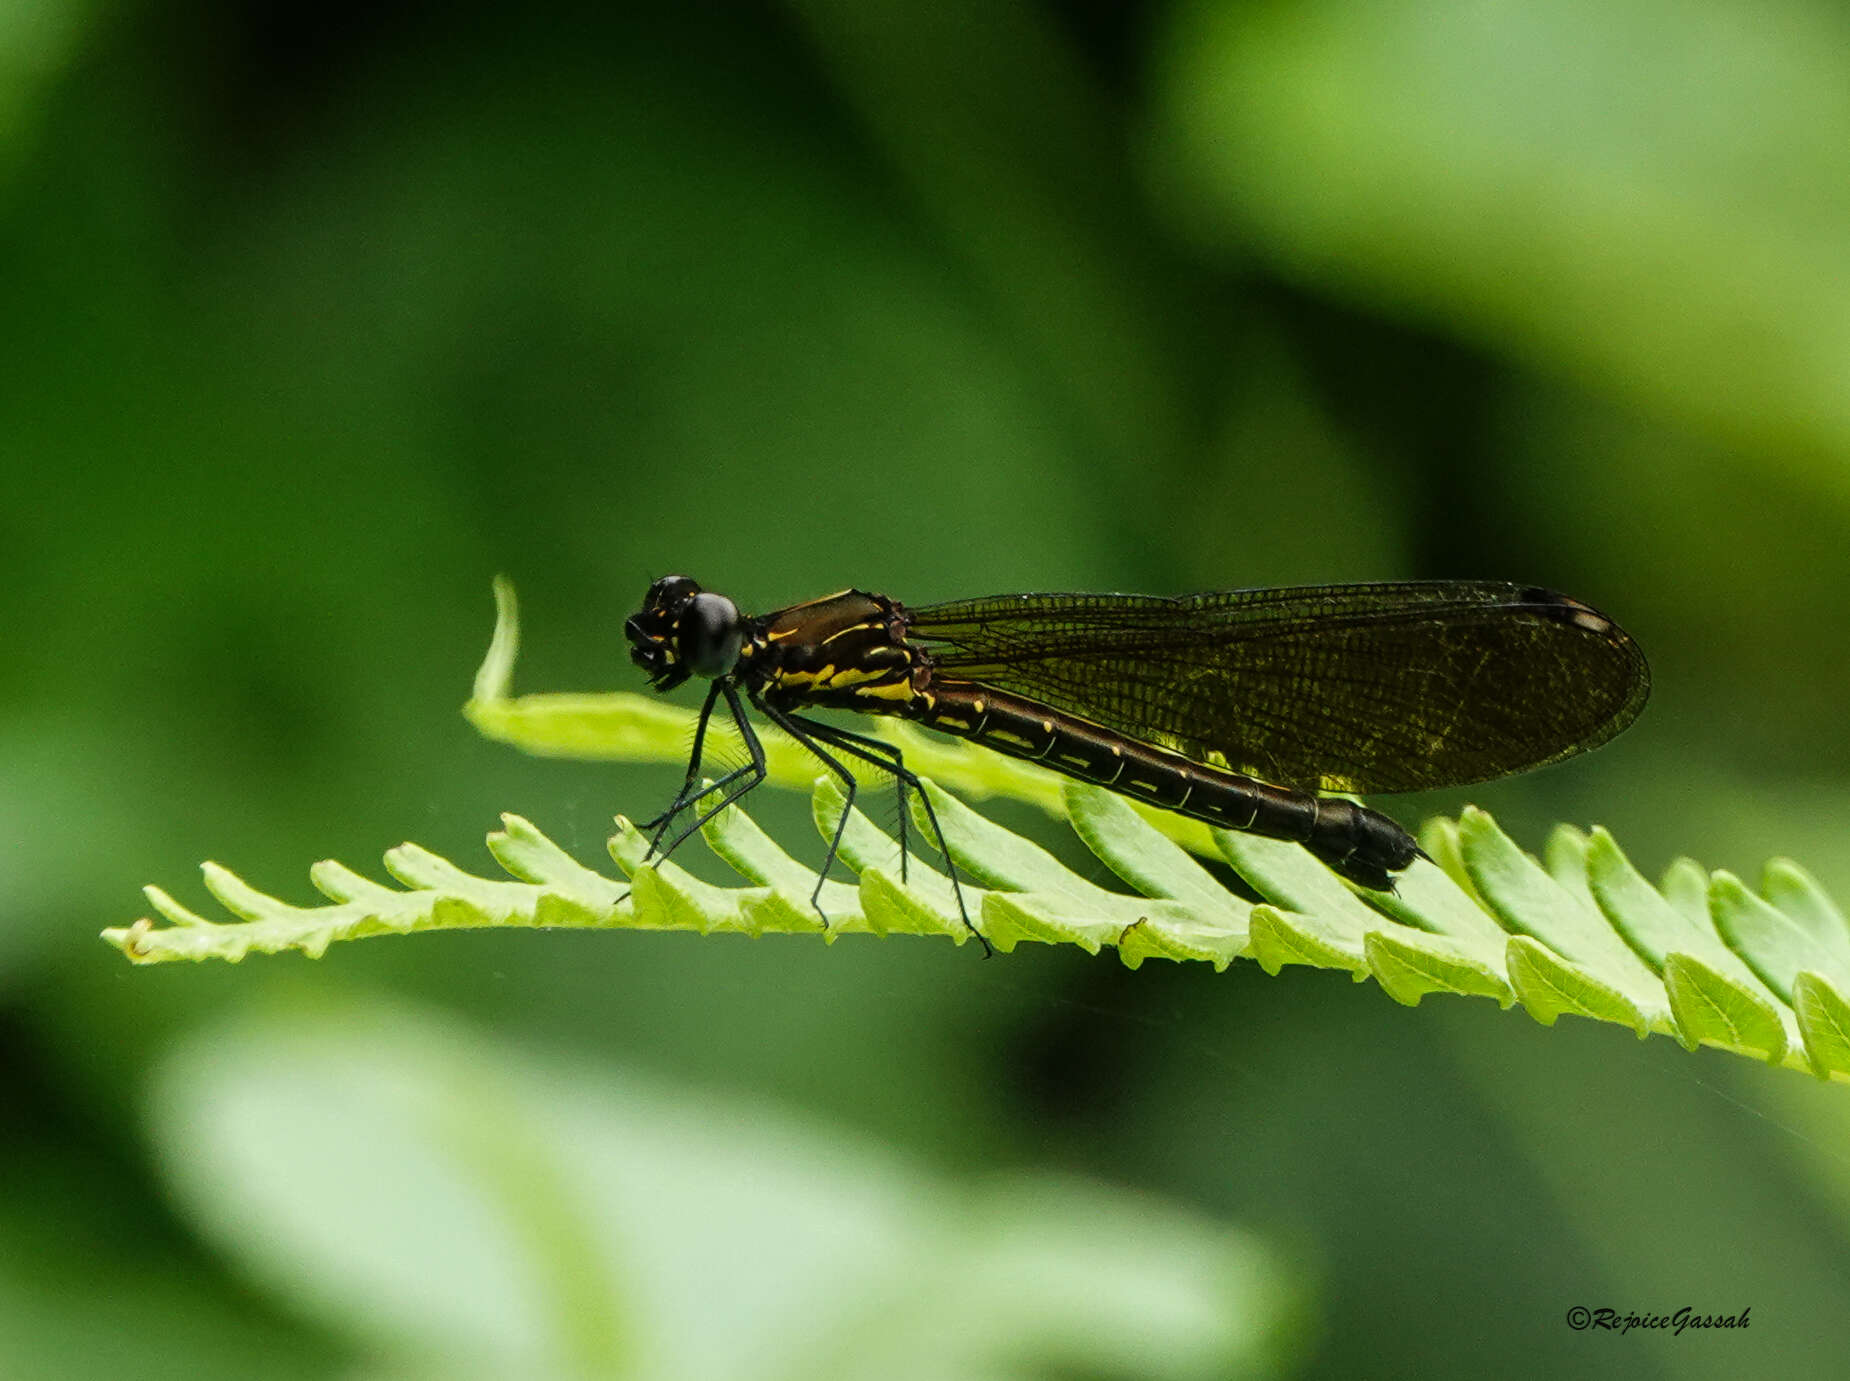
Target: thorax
844,651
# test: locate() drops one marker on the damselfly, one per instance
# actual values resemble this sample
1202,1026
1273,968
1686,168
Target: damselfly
1238,708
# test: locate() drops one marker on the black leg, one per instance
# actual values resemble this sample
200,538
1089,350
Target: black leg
659,825
888,758
753,769
881,754
687,792
802,736
688,796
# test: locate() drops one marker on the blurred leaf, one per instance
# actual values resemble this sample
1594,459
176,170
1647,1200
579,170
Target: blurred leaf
37,37
84,1294
1639,192
420,1187
993,120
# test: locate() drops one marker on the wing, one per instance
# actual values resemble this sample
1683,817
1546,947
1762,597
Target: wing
1357,688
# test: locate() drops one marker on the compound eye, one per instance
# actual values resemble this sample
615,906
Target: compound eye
669,591
710,635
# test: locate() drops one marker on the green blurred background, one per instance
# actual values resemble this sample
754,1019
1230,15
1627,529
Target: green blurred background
318,316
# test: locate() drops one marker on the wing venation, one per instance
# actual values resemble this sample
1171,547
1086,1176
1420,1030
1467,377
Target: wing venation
1359,688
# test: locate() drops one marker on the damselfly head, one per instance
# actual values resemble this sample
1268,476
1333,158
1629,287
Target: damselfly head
682,630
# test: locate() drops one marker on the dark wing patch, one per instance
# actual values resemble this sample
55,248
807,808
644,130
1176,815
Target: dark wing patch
1359,688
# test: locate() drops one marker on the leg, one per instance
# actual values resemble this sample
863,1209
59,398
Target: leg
802,736
890,759
687,796
881,754
753,770
687,792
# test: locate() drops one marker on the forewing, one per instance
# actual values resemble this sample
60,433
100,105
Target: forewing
1358,688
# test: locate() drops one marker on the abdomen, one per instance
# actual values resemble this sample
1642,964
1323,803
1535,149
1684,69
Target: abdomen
1357,842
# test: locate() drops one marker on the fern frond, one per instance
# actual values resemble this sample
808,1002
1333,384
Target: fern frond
1700,956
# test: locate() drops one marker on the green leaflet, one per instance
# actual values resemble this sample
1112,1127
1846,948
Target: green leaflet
1702,958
